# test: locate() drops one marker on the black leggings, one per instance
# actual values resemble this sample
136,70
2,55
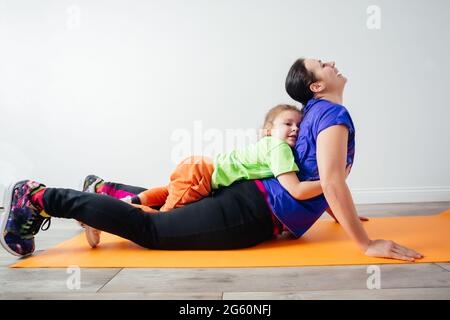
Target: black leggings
230,218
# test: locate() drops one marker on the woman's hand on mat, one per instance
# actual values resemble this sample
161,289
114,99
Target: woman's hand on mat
390,249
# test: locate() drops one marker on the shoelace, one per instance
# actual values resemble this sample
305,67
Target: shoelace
33,225
47,221
38,222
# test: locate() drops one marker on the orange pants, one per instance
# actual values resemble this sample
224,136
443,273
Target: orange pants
190,182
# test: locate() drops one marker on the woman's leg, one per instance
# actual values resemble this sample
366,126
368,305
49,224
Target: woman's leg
154,199
233,217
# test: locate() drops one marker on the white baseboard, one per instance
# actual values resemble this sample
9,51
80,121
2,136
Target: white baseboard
400,195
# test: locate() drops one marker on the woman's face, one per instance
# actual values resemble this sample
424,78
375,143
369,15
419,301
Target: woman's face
327,75
285,126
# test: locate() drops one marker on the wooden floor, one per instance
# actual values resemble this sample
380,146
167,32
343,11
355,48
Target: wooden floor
410,281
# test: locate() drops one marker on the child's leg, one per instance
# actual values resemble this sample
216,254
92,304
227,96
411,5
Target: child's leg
154,197
118,190
190,182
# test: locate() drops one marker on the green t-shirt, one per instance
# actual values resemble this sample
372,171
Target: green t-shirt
269,157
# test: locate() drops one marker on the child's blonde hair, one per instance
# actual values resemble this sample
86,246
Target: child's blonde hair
273,113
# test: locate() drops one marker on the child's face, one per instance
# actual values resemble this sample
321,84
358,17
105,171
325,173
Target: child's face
286,126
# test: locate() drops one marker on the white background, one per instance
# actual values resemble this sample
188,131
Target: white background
101,86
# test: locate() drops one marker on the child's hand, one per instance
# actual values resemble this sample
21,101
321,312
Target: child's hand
390,249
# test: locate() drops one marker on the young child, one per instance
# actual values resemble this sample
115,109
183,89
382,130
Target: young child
197,176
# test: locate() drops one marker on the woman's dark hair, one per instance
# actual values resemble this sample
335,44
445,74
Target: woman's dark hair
298,80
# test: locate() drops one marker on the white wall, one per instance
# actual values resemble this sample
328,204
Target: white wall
101,86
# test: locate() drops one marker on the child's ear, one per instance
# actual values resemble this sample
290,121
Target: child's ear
268,129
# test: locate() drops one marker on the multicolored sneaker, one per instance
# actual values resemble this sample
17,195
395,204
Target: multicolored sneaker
90,182
21,220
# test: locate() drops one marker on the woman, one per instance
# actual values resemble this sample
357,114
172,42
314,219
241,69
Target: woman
241,215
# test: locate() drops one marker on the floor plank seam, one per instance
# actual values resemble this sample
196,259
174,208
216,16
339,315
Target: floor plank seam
99,290
441,266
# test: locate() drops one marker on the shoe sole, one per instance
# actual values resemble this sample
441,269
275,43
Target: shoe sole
92,240
7,200
81,184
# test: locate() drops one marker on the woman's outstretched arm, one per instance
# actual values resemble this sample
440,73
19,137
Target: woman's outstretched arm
331,160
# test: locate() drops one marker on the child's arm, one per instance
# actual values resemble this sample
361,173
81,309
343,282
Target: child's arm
303,190
300,190
307,189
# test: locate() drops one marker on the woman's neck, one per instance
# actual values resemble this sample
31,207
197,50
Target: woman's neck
333,97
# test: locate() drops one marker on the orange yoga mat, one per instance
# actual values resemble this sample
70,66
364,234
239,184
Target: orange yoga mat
324,244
